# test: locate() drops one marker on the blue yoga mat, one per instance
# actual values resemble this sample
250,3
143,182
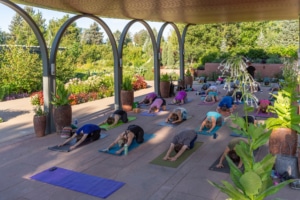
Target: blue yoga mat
133,145
146,113
176,104
237,135
80,182
204,131
164,123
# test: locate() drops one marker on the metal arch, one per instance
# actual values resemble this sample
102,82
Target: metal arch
181,50
55,45
44,55
121,43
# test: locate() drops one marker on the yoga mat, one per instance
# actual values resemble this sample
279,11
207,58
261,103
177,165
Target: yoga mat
226,168
66,147
143,106
176,104
133,145
80,182
106,126
264,115
166,163
206,103
204,130
163,123
237,135
146,113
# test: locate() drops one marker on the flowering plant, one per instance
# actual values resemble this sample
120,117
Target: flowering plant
37,100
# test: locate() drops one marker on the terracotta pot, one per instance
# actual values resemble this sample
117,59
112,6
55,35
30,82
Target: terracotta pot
62,117
164,89
39,125
283,141
188,81
127,98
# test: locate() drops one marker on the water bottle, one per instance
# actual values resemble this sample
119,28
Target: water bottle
125,149
76,122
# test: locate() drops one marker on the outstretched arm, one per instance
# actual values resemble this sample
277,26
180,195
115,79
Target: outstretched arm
129,141
202,124
102,122
68,140
79,142
167,120
220,164
179,118
213,121
171,148
183,148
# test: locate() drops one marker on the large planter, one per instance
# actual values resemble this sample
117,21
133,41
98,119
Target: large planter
62,117
164,89
127,98
188,81
283,141
39,125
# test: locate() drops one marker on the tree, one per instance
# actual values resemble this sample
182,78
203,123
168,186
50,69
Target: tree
140,37
20,31
92,35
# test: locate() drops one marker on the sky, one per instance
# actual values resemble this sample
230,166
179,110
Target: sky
6,15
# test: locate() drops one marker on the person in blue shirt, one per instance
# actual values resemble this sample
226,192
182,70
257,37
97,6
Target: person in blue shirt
226,105
212,120
86,132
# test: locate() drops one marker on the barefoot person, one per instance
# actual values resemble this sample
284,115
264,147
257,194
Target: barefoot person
263,106
212,120
183,141
177,115
230,152
114,118
133,132
180,97
86,132
157,104
148,100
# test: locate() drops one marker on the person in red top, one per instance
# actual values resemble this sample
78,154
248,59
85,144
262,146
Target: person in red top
263,105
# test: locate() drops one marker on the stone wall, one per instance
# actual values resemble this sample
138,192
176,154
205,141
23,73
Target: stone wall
262,70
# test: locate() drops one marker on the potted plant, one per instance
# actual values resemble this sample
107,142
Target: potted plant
285,126
127,94
164,85
40,116
62,111
188,79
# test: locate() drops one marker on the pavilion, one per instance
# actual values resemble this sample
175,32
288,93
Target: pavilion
186,12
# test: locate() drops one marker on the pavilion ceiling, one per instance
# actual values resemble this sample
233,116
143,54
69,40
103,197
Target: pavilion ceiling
178,11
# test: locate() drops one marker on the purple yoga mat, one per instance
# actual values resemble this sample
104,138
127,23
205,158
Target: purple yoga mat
80,182
264,115
206,103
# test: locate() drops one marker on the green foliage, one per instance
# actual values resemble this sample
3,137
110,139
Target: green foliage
61,98
284,105
254,183
20,71
37,101
165,77
1,120
188,72
127,83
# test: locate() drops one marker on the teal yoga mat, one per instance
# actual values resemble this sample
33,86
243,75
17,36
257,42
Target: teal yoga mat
134,144
164,123
204,131
80,182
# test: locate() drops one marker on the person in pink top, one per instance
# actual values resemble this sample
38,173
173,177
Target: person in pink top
263,105
157,104
180,97
149,98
